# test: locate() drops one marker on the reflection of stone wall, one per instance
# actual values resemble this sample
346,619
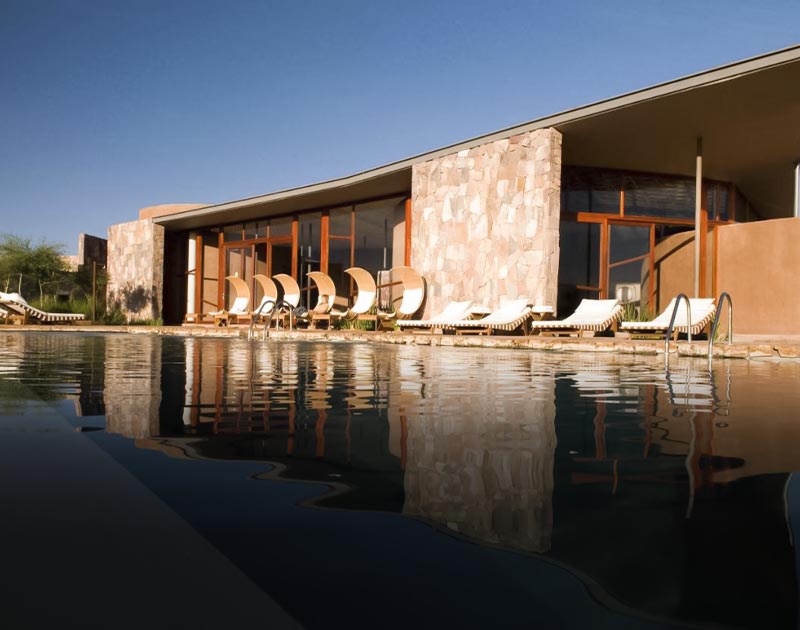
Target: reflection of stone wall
486,220
133,385
136,268
482,464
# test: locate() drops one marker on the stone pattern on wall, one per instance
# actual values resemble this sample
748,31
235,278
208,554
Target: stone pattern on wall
480,462
485,221
132,386
136,269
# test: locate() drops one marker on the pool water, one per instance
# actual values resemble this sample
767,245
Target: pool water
205,481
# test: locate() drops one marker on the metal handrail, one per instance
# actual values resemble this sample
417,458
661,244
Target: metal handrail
257,314
722,297
680,296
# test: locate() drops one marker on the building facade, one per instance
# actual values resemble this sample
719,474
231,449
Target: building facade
637,197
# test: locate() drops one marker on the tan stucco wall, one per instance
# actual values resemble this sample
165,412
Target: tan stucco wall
675,269
136,269
485,221
758,265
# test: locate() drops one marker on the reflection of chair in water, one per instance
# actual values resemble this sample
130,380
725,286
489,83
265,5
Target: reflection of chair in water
592,316
453,311
329,306
239,308
410,300
702,314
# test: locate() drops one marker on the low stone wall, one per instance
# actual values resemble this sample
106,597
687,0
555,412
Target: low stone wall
485,221
136,269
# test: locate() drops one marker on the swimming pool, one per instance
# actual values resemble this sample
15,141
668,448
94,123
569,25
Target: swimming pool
168,480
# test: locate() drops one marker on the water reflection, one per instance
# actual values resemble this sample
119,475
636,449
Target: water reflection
658,486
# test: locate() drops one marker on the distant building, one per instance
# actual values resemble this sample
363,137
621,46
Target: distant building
597,201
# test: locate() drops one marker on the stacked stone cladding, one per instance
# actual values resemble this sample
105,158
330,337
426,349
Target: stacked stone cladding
132,386
136,269
485,221
485,471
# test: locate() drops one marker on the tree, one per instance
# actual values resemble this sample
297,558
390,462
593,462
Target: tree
23,263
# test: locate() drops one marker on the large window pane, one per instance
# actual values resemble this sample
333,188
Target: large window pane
374,235
340,219
280,227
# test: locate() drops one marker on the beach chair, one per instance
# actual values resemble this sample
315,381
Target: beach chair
702,314
329,306
19,311
410,300
289,304
511,315
454,311
591,316
239,310
367,294
269,299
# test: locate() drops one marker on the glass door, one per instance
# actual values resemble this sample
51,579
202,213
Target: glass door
629,253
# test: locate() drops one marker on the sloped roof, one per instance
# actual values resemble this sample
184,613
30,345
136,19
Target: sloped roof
747,113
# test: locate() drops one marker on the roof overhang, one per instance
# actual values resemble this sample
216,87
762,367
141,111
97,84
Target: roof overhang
747,113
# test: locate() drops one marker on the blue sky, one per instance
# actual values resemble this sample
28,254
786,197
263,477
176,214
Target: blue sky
109,106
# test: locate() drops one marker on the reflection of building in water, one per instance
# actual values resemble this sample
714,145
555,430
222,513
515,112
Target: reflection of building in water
673,472
79,370
132,385
479,457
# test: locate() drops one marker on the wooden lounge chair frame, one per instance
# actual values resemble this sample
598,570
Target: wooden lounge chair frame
591,316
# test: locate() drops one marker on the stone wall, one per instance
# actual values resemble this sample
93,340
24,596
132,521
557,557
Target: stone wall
136,269
485,221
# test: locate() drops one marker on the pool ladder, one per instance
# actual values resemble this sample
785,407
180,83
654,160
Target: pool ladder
280,306
724,296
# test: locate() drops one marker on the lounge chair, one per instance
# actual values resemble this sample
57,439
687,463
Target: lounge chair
702,313
591,316
329,306
511,315
366,296
239,310
453,312
269,299
289,303
410,300
18,310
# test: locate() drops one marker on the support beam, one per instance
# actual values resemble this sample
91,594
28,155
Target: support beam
796,212
698,208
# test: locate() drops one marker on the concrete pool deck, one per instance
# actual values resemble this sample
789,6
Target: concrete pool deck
744,346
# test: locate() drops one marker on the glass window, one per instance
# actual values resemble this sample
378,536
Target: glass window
659,196
340,222
308,254
374,235
280,227
232,233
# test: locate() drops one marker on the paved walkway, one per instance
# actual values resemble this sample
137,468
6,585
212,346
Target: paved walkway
744,347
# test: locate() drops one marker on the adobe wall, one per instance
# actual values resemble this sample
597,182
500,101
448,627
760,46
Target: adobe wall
485,221
136,269
759,264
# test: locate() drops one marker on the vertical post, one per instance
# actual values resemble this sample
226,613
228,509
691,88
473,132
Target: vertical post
94,290
191,274
407,253
698,209
797,189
